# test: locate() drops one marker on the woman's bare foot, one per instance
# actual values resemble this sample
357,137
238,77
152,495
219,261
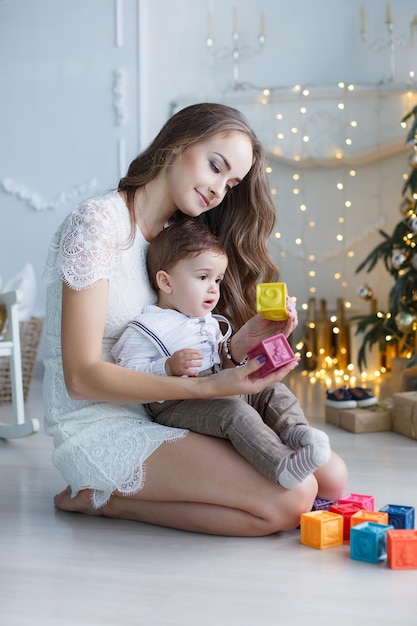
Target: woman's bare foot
80,504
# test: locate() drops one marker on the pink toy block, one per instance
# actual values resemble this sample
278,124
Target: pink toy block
271,301
321,529
277,351
365,502
402,548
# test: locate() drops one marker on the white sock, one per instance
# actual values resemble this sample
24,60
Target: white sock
301,463
302,435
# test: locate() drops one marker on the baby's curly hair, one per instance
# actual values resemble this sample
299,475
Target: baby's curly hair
183,239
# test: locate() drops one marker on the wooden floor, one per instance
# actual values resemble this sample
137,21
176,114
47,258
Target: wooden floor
59,568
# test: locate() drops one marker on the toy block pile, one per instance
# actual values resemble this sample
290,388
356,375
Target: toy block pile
386,535
271,301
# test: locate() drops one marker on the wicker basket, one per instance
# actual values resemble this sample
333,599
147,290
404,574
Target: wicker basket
30,336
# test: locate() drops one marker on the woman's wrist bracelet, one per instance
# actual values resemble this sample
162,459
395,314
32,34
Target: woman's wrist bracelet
229,354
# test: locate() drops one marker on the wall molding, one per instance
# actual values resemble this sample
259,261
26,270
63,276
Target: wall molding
324,126
37,203
119,96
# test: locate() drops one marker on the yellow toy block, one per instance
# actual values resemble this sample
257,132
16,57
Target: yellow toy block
363,515
321,529
271,299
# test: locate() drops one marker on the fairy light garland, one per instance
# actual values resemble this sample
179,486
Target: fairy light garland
299,245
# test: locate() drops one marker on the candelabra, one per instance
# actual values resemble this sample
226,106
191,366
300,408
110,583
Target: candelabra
236,51
390,43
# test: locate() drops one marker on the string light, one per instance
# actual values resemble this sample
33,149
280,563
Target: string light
298,131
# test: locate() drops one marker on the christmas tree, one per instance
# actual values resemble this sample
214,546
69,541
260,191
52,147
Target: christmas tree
398,252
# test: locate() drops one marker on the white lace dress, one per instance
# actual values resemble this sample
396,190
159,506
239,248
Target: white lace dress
98,445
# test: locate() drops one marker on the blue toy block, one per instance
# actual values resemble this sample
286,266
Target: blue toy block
368,542
399,516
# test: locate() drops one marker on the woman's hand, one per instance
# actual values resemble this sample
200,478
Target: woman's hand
244,380
258,328
89,377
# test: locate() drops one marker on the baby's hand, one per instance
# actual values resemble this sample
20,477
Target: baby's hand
186,362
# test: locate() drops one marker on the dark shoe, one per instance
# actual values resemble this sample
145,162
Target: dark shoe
363,397
341,399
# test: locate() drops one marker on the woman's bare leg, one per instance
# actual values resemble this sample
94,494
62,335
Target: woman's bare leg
332,479
202,484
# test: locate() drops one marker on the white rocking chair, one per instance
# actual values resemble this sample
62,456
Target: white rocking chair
10,347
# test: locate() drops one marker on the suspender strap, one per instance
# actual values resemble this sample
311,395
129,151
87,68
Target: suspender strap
154,338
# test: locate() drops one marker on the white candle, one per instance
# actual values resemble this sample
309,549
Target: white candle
363,20
413,25
262,25
234,19
388,16
210,25
372,353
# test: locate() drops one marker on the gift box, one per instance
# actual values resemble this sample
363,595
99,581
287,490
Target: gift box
373,419
398,366
409,381
404,414
403,378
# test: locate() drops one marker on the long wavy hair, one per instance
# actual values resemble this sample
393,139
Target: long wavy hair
242,222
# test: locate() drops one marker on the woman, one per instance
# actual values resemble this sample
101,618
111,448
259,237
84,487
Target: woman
205,163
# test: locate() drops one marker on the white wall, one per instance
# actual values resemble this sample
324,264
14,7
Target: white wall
61,137
311,42
314,44
68,121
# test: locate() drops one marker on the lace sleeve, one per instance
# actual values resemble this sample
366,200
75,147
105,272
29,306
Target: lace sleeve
86,248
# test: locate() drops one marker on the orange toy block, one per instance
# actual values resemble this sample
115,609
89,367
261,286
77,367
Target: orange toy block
402,548
321,529
271,301
363,515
